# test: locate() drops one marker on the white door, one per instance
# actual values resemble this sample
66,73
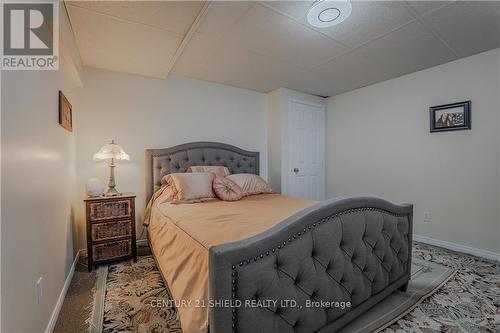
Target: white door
306,150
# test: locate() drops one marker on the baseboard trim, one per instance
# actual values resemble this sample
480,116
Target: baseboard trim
490,255
62,296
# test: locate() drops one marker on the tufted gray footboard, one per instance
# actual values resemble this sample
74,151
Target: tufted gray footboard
302,275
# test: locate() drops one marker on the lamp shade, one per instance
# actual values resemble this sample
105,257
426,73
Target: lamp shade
111,150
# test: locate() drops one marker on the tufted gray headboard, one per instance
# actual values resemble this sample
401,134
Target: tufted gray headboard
161,162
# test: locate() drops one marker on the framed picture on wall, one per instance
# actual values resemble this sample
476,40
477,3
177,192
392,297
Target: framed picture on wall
65,112
450,117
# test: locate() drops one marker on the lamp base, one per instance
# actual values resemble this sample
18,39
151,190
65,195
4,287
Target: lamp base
112,192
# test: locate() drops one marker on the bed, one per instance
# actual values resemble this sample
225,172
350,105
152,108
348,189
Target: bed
271,263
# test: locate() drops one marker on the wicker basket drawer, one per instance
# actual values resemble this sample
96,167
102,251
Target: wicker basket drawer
110,230
110,209
112,250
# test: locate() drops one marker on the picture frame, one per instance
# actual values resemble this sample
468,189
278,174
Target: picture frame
450,117
65,113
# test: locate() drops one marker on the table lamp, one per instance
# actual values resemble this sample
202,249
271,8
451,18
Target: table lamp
114,152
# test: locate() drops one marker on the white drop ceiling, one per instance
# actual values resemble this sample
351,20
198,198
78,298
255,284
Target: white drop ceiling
266,45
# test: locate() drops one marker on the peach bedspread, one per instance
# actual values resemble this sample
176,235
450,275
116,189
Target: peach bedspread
181,236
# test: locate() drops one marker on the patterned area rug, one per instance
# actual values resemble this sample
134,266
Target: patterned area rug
137,301
468,302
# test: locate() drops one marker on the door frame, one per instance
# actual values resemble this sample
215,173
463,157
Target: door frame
285,141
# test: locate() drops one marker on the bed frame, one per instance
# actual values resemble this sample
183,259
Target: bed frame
354,250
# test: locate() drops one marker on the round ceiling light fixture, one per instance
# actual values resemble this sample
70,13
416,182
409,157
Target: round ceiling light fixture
328,13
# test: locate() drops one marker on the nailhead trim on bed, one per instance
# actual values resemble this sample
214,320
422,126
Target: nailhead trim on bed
297,236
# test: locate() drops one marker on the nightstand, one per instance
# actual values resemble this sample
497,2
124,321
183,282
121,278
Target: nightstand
110,229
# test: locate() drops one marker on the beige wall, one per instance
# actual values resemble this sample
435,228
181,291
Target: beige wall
38,178
142,113
378,143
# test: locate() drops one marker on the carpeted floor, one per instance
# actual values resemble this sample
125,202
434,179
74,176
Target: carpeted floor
76,312
468,302
77,307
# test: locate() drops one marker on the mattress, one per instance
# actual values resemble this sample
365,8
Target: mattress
181,236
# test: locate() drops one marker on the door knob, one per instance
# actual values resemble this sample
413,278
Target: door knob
295,170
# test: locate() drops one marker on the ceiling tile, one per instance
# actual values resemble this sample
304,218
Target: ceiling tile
235,66
469,27
424,7
194,57
208,58
407,50
308,81
296,9
174,16
368,20
123,39
125,64
222,16
263,46
268,33
350,71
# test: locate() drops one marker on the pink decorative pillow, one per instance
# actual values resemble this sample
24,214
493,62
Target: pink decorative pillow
220,171
250,184
226,189
191,187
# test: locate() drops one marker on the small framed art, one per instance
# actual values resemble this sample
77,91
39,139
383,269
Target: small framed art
450,117
65,112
